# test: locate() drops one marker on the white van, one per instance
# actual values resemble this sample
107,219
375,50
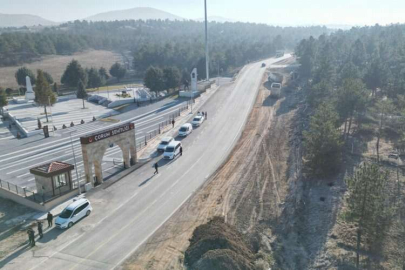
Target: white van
73,213
164,143
185,130
172,150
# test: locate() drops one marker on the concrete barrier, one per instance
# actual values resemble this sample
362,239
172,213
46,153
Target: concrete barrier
43,207
120,102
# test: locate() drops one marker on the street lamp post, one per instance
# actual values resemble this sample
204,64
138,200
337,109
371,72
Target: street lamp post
74,158
207,69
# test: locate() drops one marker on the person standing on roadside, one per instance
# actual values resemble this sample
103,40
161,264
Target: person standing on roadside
31,237
49,217
173,122
156,169
181,150
39,224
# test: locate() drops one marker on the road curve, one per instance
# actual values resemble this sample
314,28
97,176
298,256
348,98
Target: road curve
130,211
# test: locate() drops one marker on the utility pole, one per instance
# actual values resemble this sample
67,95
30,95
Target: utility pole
74,158
207,69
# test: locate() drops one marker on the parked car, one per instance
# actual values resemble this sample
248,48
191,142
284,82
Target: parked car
164,143
185,130
73,213
172,150
198,120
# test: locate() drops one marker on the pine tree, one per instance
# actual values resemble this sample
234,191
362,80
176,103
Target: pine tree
43,92
383,108
73,74
81,92
3,99
21,75
323,144
55,88
118,71
366,202
94,78
154,79
172,77
48,77
352,98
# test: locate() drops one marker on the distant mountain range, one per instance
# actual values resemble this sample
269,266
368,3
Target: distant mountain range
20,20
139,13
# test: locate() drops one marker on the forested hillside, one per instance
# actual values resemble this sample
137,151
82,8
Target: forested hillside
355,89
160,43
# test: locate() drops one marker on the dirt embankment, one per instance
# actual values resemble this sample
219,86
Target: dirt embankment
248,190
218,245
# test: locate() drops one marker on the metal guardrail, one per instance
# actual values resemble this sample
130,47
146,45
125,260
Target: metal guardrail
30,194
152,134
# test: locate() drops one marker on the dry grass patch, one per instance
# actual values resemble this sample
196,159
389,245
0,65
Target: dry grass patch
56,64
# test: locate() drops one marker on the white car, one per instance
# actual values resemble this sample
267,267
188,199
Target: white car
164,143
172,150
73,213
185,130
198,120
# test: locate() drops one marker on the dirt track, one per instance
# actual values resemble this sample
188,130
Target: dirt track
248,190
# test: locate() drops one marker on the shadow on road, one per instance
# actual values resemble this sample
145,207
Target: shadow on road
49,235
179,138
146,181
14,255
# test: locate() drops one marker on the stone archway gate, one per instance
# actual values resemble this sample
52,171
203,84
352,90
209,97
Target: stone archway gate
95,145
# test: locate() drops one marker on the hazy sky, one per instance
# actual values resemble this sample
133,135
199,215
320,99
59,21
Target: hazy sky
280,12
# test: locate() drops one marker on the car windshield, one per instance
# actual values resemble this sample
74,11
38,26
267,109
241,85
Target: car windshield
164,143
183,129
66,213
170,149
197,119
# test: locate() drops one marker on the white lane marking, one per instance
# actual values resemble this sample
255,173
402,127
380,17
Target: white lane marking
22,175
149,235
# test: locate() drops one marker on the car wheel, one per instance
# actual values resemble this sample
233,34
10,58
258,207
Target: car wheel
88,213
70,224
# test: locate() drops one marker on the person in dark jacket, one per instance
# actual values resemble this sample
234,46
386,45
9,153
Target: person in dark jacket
49,217
173,122
39,225
156,168
31,237
181,150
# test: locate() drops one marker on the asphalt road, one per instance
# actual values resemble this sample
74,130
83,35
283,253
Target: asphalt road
128,212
